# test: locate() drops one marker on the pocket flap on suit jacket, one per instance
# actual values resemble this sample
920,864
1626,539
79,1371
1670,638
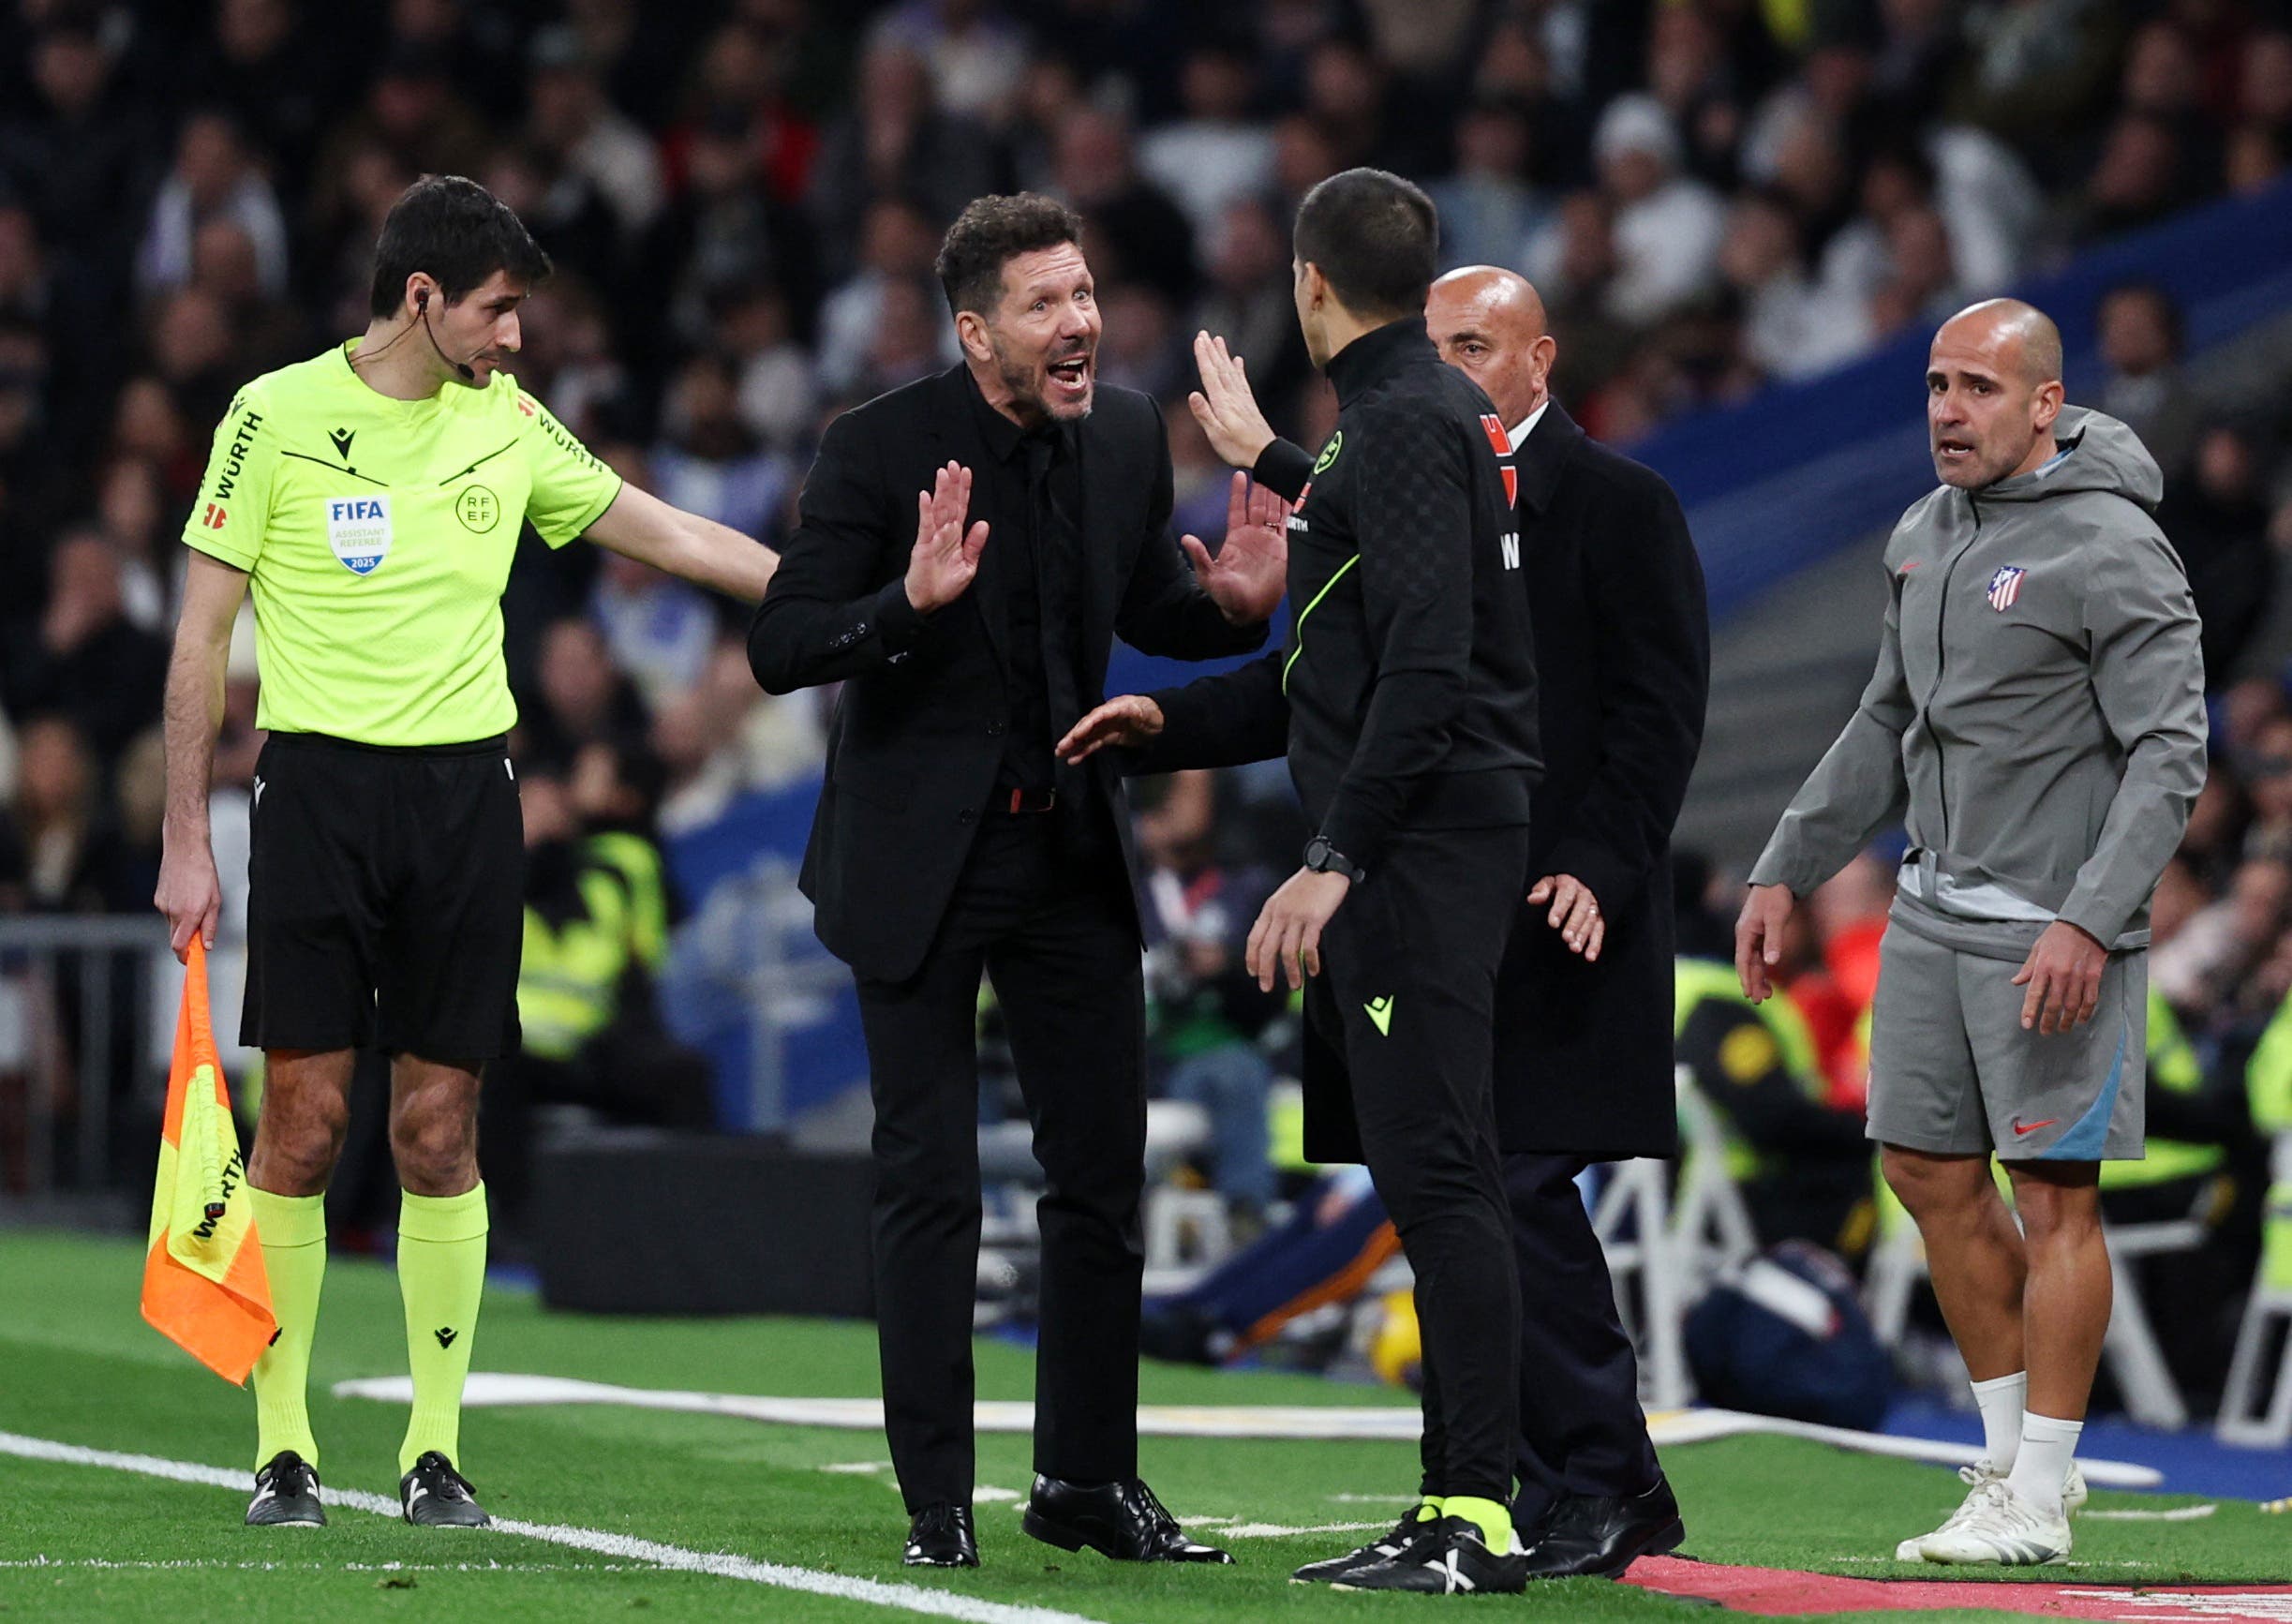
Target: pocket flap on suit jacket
879,784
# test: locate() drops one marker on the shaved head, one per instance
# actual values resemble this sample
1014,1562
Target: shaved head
2020,332
1993,388
1489,323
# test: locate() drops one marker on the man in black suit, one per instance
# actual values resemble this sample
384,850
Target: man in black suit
948,841
1584,1016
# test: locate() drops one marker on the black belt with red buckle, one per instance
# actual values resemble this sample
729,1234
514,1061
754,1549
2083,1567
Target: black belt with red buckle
1028,800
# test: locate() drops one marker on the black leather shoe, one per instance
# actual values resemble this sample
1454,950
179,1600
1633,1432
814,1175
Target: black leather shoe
1599,1536
941,1536
1119,1520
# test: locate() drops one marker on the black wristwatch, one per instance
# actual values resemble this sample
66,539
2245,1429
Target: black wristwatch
1323,858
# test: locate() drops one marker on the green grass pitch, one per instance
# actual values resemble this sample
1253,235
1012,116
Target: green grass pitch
83,1541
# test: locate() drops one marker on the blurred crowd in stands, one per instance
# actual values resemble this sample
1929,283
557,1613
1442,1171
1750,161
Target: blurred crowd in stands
743,199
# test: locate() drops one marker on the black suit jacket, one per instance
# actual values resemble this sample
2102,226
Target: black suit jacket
918,731
1623,657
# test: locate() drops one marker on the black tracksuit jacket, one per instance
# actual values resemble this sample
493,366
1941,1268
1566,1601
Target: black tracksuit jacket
1407,693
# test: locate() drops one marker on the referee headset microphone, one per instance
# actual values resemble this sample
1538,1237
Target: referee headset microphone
421,309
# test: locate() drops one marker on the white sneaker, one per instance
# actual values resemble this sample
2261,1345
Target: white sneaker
1996,1525
2074,1496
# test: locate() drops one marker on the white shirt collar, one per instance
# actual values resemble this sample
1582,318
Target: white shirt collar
1527,425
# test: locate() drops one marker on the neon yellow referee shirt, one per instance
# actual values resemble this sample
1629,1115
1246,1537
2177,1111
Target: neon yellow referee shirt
379,534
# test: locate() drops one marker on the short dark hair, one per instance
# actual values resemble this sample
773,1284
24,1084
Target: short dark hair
989,234
1376,236
454,230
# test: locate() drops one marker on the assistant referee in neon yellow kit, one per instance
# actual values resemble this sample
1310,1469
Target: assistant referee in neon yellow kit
373,498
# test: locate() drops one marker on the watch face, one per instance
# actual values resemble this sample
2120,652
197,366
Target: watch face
1317,852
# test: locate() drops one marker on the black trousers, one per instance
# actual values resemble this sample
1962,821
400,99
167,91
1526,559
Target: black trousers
1580,1428
1409,987
1055,933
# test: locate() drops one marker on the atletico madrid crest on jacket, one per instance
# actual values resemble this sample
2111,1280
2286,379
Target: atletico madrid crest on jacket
2004,587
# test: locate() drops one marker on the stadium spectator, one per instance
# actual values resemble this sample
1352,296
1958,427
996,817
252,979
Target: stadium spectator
213,179
2218,519
1488,207
580,697
1792,327
1667,226
82,150
1136,232
976,54
708,461
1207,1010
895,141
897,245
570,117
1215,156
596,912
67,856
82,659
2141,330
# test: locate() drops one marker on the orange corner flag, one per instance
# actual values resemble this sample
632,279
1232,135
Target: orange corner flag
203,1281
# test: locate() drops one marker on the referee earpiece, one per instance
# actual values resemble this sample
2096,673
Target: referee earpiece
422,313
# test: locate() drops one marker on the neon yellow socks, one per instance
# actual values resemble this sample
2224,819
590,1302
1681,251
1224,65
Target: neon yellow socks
1428,1509
1493,1518
441,1274
294,1232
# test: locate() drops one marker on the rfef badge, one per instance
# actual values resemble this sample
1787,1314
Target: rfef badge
358,528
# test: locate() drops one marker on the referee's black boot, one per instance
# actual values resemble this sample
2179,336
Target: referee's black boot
941,1536
435,1496
1119,1520
1597,1536
285,1494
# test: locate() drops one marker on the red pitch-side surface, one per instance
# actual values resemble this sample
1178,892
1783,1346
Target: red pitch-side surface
1783,1592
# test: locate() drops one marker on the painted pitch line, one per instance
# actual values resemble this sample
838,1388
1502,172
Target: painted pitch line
871,1592
105,1563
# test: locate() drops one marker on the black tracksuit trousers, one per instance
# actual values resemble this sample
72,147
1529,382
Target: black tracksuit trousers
1407,991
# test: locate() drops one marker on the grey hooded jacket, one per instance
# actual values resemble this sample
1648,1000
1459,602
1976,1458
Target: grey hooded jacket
2038,708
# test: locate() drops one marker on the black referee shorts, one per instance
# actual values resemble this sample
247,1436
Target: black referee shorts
386,902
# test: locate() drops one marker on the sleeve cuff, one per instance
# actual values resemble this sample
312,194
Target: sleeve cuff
2085,913
1285,468
1351,836
244,562
897,622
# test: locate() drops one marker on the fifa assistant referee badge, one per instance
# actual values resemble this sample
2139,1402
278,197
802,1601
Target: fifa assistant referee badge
1323,858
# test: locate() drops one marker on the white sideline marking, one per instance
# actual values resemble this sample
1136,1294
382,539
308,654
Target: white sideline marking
1668,1428
908,1598
333,1567
2178,1515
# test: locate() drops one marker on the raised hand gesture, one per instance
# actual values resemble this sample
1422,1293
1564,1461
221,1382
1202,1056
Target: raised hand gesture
1248,572
946,556
1224,406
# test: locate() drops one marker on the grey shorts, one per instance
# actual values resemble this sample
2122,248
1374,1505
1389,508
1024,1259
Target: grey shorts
1953,1072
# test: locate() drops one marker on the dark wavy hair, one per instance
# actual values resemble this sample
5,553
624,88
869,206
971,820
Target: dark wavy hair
989,234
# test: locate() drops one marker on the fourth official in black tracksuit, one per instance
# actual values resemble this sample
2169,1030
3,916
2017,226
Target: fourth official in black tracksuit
1407,702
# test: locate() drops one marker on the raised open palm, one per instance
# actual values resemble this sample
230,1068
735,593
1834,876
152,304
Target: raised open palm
1246,576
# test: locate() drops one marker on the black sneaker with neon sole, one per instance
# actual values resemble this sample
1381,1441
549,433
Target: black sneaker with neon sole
435,1496
1455,1561
1404,1533
285,1494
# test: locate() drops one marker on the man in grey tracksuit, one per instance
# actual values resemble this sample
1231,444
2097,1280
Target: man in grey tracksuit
2037,720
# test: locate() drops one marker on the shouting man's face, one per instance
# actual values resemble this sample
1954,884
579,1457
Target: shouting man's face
1043,334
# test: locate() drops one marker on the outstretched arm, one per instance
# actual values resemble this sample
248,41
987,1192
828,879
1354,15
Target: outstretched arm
641,526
